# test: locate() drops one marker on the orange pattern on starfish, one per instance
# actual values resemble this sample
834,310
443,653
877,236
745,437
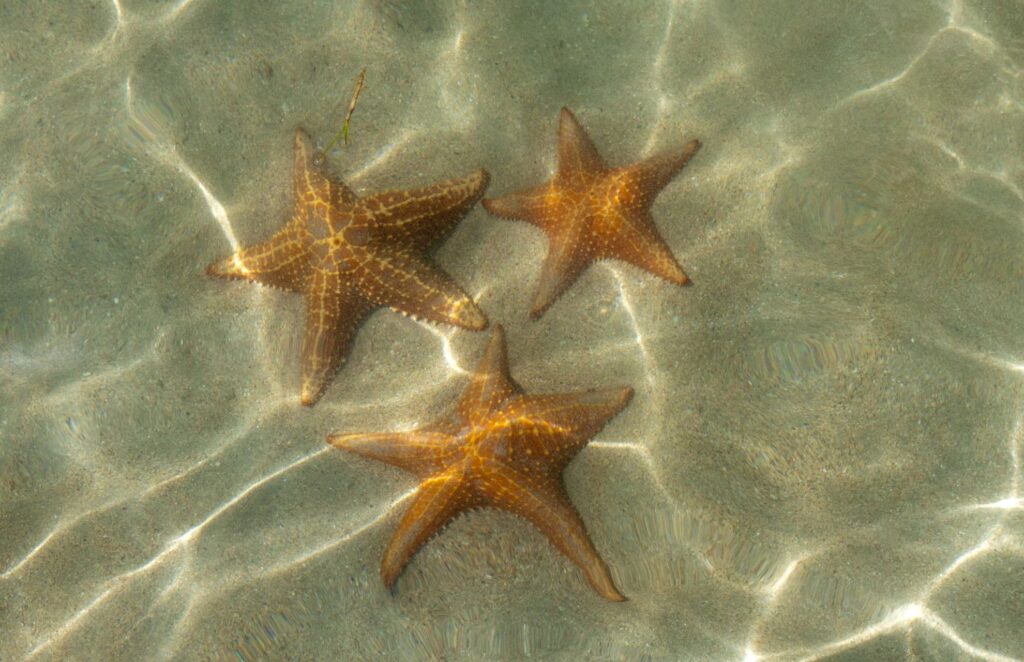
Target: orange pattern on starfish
592,212
499,448
347,255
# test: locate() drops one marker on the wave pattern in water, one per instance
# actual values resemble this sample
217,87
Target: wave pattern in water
824,454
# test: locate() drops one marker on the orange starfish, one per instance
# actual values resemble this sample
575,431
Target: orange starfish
348,255
500,448
591,212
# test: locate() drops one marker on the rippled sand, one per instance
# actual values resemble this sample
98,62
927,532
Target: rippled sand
823,458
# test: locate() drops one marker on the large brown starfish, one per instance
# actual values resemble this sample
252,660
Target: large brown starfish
348,255
499,448
591,212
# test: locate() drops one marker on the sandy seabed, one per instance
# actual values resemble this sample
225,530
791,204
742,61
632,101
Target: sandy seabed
823,456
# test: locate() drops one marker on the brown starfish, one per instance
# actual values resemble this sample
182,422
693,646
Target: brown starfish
499,448
348,255
591,212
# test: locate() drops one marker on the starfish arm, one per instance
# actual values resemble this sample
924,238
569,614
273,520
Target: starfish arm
491,385
637,241
547,431
565,261
654,173
416,451
332,314
532,205
576,152
419,217
437,500
279,262
410,285
544,504
310,180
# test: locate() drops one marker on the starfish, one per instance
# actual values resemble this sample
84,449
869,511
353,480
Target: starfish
591,212
348,255
499,448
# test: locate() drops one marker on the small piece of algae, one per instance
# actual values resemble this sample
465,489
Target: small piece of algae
343,134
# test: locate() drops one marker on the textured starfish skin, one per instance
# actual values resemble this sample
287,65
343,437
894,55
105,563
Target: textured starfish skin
499,448
592,212
348,255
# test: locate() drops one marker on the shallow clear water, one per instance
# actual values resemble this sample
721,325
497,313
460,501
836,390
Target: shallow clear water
823,456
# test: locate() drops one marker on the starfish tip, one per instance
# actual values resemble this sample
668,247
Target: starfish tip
541,302
493,206
309,397
497,340
611,593
389,574
226,268
670,271
483,177
472,318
